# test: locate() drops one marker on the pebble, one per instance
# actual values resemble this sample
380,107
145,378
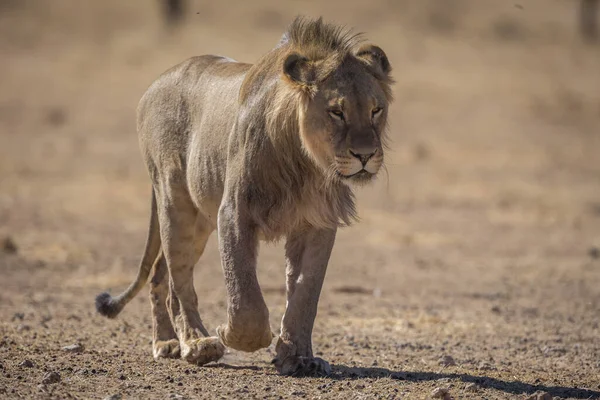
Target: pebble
485,366
74,348
26,364
50,378
116,396
447,361
18,316
441,393
471,387
8,245
540,396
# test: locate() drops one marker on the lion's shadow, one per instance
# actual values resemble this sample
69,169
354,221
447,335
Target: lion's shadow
342,372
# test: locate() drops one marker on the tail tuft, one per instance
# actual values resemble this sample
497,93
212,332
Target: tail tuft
107,305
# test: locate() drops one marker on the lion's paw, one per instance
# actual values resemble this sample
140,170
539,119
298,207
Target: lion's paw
302,366
202,351
166,349
245,341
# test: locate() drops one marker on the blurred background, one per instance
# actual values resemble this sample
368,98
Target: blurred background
485,228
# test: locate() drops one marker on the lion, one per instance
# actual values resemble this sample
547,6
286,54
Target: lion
256,152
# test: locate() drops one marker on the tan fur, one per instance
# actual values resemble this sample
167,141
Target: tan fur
260,151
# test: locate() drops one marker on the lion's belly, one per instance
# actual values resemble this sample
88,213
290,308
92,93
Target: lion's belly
205,178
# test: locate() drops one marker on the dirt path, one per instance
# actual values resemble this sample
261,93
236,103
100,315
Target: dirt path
476,267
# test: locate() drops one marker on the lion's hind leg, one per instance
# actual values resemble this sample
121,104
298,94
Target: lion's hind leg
184,232
165,343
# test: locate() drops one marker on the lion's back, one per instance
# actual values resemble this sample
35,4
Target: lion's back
187,114
186,95
197,97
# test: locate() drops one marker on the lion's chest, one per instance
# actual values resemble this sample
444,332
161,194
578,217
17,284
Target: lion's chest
291,213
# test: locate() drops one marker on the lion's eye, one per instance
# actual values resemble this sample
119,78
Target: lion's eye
337,114
376,111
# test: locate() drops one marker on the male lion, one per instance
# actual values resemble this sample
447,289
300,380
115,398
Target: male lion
258,151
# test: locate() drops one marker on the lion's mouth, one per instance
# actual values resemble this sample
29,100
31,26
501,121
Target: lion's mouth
362,174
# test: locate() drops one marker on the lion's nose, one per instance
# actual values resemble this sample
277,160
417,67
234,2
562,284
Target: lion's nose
364,156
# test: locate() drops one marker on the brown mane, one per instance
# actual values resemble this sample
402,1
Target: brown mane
317,40
277,106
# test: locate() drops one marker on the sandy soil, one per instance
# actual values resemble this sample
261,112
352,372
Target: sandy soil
476,267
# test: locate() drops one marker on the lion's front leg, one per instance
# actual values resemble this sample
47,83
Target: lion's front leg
247,328
307,255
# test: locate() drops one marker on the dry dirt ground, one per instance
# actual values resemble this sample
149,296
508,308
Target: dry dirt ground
476,267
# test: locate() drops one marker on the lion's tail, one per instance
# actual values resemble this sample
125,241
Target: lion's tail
110,306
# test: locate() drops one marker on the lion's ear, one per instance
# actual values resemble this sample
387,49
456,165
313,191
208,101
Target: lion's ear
299,70
376,59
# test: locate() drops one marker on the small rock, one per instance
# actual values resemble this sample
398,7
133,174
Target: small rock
485,366
45,319
56,116
26,364
116,396
471,387
495,310
74,348
540,396
8,245
50,378
441,393
23,327
421,152
125,327
447,361
18,316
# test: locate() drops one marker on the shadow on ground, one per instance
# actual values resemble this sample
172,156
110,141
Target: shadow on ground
342,372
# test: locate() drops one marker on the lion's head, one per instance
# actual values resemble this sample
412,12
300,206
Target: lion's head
344,92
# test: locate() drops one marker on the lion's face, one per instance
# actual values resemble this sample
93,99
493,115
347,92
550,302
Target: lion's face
343,124
348,116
